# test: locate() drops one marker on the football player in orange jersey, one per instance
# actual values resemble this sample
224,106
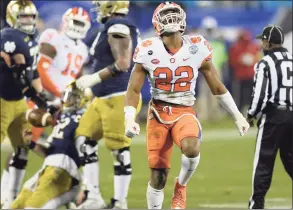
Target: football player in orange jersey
172,62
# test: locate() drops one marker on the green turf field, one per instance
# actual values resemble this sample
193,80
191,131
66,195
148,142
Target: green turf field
223,178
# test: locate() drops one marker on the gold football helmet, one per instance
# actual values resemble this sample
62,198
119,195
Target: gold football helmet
22,15
106,9
74,98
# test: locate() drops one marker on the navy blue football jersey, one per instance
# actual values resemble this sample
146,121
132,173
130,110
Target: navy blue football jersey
102,57
15,42
62,138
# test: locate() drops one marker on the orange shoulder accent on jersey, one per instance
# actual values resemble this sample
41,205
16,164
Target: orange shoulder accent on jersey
44,63
147,43
208,58
195,39
135,53
210,48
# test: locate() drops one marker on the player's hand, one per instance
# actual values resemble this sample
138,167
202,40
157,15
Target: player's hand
131,128
85,81
241,124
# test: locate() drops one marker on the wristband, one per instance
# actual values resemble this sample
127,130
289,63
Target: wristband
96,78
228,103
114,69
129,113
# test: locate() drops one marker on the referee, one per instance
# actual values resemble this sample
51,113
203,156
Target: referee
272,102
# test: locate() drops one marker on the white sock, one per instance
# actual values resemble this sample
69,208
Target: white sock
15,179
155,198
4,184
121,186
188,166
91,177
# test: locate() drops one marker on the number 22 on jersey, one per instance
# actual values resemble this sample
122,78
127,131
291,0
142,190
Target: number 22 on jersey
165,79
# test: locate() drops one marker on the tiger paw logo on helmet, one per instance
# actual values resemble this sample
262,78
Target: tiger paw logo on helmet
169,17
76,22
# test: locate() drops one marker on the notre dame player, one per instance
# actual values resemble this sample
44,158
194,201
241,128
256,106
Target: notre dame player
112,51
57,182
18,78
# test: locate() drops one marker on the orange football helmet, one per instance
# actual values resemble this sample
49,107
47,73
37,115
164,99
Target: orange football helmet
169,17
76,22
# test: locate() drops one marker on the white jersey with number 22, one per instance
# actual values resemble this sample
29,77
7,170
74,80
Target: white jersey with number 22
173,76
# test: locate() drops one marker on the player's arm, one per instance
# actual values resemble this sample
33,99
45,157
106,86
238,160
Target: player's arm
132,99
32,89
47,54
224,97
134,86
121,47
19,60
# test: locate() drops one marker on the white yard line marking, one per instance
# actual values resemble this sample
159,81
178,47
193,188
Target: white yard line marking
211,135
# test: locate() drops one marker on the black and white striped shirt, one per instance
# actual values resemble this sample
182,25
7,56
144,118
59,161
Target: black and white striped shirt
273,82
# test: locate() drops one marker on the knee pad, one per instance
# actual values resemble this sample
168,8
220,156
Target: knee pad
19,158
122,162
87,150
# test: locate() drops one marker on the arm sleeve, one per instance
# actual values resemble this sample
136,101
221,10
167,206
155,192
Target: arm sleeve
260,89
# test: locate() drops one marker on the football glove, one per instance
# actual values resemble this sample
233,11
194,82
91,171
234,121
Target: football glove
131,128
241,124
88,81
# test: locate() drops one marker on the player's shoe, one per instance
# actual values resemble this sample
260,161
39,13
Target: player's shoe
115,204
179,196
93,201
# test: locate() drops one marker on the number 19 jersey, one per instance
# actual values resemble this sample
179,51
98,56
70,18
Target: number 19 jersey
173,76
70,57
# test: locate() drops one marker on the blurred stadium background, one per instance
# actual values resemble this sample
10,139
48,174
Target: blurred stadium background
223,179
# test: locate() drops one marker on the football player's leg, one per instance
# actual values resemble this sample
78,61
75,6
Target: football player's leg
186,133
18,162
122,177
114,135
5,178
53,189
88,132
7,115
19,133
26,192
159,149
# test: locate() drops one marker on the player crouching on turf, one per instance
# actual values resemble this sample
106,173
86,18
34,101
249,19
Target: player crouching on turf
57,182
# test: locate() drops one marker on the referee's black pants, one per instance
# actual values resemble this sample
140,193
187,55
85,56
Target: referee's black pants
275,132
